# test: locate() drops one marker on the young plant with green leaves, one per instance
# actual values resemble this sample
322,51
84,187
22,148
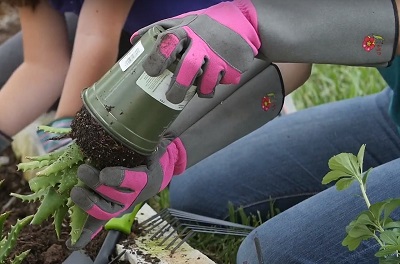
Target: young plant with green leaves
57,174
9,241
373,223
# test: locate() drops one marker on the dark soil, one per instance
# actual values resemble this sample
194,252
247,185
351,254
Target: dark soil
97,145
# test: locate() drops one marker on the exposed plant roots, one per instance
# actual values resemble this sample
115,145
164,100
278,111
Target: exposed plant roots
97,145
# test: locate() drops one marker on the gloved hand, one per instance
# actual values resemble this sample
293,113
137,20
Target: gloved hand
115,190
45,137
205,57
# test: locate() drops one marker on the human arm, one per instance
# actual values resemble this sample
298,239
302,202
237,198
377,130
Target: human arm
37,82
95,49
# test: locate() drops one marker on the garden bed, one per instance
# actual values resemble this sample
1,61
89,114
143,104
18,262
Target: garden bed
41,239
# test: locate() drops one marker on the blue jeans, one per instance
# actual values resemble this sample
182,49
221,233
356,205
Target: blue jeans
284,161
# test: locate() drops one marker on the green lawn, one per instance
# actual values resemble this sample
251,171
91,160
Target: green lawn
327,83
330,83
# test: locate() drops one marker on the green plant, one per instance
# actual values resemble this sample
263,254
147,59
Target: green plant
373,223
52,184
8,242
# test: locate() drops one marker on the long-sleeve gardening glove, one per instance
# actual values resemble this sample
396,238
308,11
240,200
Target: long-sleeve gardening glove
5,141
47,139
115,190
216,45
219,42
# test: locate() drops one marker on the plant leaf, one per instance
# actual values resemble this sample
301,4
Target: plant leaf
387,250
365,177
344,183
389,237
360,231
360,157
376,209
345,162
392,259
364,219
333,176
389,207
352,243
395,224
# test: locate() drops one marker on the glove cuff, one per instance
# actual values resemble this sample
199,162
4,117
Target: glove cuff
360,33
5,141
44,137
63,122
208,125
181,157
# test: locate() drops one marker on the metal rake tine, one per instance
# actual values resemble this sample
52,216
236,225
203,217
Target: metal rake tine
155,217
220,231
187,237
205,219
171,233
165,217
167,237
216,230
203,229
161,231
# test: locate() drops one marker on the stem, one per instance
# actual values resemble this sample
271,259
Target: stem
378,240
364,192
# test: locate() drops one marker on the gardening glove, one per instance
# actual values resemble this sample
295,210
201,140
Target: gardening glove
114,191
205,58
46,138
5,141
361,33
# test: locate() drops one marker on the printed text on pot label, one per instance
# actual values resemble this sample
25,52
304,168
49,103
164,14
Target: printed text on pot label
156,87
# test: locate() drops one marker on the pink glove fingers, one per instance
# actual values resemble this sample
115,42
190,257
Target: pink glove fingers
168,44
175,154
192,61
114,194
100,214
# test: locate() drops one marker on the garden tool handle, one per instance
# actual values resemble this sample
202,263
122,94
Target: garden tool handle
123,223
115,227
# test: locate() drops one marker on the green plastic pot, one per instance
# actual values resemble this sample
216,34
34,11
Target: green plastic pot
130,105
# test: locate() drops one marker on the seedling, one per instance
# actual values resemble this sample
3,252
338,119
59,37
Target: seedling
8,242
373,223
52,185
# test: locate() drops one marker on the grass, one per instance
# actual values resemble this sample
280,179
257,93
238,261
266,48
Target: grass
327,83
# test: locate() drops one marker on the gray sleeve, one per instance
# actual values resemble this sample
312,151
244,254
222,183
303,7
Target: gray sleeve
207,125
348,32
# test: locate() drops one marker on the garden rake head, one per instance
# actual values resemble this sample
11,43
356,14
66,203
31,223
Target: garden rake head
169,221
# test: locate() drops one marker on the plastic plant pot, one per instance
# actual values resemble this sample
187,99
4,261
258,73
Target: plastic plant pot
131,105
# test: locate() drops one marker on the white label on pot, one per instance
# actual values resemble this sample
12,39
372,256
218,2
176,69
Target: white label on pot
131,56
156,87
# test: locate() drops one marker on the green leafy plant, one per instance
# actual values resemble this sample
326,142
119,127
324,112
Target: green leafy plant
56,175
9,241
373,223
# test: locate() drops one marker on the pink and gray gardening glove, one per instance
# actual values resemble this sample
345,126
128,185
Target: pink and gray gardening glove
47,139
196,37
114,191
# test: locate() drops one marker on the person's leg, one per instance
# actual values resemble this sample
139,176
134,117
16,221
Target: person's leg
11,51
313,230
285,160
